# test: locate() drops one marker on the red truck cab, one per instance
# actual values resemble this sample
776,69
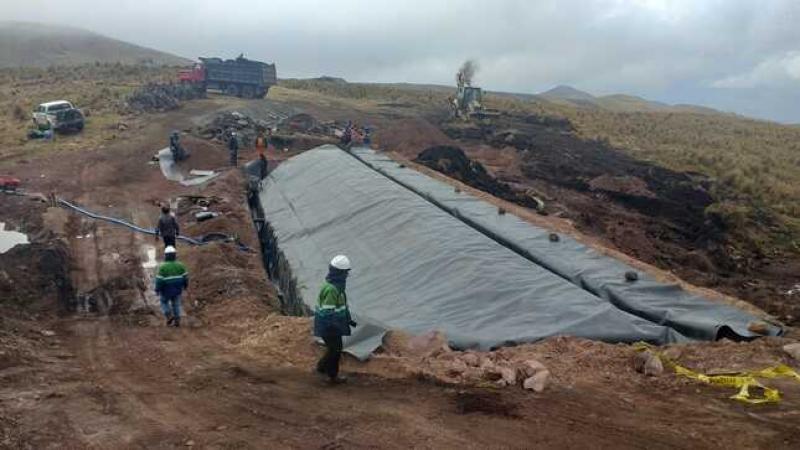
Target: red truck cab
196,74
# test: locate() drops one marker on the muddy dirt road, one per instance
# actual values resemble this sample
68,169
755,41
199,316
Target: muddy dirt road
103,371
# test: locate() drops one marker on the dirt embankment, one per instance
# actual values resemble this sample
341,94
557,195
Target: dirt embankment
649,212
452,162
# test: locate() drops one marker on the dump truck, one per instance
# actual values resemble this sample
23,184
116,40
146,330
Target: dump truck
240,77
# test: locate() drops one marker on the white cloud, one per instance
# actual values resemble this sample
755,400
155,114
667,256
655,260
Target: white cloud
652,48
776,71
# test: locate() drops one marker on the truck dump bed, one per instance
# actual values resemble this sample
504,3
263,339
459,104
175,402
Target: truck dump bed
240,70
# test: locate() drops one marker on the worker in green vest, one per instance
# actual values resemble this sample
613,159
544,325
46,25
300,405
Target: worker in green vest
332,318
171,279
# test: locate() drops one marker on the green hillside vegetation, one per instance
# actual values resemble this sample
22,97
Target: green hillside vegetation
24,44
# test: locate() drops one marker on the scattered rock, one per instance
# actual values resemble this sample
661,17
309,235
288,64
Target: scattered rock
455,368
631,276
538,382
648,363
554,237
793,350
509,376
189,443
48,333
471,359
530,368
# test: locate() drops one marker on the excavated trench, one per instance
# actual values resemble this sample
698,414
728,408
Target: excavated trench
275,263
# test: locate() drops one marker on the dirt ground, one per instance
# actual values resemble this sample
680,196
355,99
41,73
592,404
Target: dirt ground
86,362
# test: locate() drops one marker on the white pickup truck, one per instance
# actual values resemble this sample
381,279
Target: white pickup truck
59,115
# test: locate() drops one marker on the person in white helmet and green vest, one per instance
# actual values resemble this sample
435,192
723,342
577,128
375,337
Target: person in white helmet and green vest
332,318
171,279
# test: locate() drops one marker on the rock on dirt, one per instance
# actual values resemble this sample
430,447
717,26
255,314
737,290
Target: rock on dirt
453,162
530,368
793,350
648,363
538,382
246,128
304,123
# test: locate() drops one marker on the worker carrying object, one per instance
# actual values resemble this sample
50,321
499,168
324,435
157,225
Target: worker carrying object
171,279
332,318
167,227
233,148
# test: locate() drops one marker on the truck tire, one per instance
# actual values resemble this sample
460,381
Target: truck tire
248,91
232,90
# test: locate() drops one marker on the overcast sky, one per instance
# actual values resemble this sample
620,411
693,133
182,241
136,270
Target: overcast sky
735,55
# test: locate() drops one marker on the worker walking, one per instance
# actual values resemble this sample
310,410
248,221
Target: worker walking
263,168
233,148
261,143
167,227
332,318
171,279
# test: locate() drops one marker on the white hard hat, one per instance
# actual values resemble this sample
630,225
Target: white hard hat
340,262
170,249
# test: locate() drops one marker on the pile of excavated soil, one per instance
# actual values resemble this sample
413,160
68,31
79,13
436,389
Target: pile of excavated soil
453,162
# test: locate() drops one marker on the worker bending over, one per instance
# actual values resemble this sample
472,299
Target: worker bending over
332,318
171,279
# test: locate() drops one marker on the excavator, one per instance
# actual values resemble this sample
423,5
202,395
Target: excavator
468,101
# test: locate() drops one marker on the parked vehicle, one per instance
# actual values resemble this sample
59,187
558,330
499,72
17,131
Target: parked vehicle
238,77
58,115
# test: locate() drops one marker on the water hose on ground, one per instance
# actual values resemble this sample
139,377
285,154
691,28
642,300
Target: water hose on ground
203,240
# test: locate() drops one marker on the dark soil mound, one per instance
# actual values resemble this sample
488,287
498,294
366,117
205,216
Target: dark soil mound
161,97
453,162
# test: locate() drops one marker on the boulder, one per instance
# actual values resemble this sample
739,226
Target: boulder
509,376
530,368
648,363
793,350
538,382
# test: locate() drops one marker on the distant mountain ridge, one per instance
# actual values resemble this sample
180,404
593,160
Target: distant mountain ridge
28,44
615,102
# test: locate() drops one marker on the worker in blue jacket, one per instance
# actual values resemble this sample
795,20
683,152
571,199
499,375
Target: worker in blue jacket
332,318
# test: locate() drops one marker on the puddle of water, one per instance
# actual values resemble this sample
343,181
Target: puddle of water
151,262
9,239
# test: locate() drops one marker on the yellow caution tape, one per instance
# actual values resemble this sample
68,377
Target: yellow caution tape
743,381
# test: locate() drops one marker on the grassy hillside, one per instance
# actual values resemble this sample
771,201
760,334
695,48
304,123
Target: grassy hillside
756,164
98,89
24,44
